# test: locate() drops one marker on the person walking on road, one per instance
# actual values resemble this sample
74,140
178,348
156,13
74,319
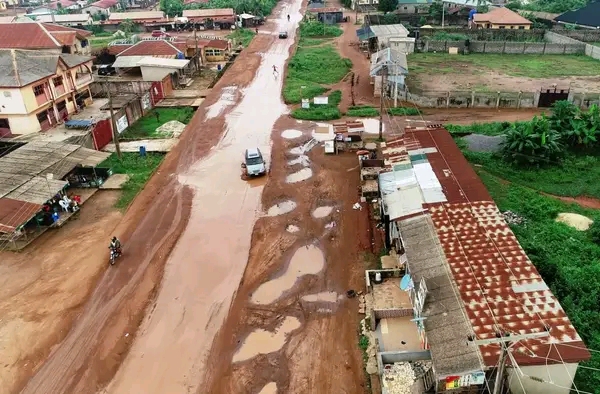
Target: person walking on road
275,71
288,17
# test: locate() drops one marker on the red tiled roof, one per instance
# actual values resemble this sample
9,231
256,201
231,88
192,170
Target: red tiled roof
116,49
26,36
58,28
65,38
497,282
501,16
14,213
151,48
103,4
219,44
64,4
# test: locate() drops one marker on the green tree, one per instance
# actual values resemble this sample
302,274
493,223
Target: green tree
127,26
387,5
562,113
172,7
436,9
532,143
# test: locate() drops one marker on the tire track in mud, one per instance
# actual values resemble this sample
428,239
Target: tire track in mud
55,376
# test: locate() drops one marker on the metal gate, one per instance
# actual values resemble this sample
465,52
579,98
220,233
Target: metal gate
549,96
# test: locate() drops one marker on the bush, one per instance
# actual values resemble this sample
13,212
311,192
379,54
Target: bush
318,29
594,231
242,36
362,111
312,67
403,111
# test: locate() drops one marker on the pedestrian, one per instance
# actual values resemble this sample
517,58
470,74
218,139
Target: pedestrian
157,114
256,30
275,72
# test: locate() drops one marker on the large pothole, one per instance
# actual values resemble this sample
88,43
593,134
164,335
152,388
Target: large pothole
307,260
282,208
264,342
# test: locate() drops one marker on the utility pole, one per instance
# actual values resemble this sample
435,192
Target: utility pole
383,75
196,53
506,341
115,132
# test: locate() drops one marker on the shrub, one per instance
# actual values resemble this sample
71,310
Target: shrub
318,29
403,111
362,111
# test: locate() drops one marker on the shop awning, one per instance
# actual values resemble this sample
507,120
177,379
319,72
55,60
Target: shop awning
14,213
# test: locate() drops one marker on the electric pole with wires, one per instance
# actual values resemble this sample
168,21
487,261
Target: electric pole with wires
506,341
384,72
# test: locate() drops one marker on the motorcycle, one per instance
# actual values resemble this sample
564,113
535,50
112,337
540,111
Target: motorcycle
114,255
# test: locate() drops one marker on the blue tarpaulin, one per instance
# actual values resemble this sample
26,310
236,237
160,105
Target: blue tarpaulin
364,33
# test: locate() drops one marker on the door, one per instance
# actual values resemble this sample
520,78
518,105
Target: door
549,96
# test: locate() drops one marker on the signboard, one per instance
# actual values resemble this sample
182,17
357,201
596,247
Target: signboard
472,379
146,101
305,103
321,100
122,124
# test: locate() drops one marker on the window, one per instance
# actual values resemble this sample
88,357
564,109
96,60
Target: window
502,27
58,81
213,52
521,27
4,124
42,116
38,90
61,106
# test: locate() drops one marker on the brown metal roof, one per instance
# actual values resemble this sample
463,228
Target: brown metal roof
501,16
14,213
497,282
151,48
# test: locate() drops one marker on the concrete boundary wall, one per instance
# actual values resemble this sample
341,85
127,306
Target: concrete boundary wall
589,50
505,47
471,99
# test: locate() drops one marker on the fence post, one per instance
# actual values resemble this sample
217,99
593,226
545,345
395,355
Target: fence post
472,98
498,101
544,51
519,100
484,46
564,48
504,48
447,99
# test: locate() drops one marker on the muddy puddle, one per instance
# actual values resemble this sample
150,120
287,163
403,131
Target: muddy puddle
227,99
291,134
270,388
291,228
282,208
302,159
307,260
299,176
326,296
322,212
264,342
371,126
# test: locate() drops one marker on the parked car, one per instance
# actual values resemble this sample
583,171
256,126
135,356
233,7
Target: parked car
283,34
159,34
254,163
106,69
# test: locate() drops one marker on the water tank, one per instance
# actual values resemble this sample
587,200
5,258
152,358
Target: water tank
378,278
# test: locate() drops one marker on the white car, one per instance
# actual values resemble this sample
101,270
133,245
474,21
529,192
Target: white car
254,162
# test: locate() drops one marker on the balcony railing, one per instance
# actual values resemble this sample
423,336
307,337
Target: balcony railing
81,79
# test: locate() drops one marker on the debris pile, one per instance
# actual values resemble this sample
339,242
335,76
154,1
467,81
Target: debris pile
398,378
511,217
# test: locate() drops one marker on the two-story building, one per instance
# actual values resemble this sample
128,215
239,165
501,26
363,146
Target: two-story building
102,7
38,89
500,18
69,20
44,36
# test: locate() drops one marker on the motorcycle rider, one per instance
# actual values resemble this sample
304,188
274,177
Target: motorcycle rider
115,245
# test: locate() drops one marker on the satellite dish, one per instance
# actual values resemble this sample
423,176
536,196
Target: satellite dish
406,283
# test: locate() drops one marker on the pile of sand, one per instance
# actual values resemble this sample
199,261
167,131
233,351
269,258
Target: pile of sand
575,220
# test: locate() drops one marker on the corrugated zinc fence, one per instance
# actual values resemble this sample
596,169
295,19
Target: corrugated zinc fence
503,47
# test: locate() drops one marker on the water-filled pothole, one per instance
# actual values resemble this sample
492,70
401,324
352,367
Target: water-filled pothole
290,134
302,159
299,176
270,388
322,212
307,260
292,228
264,342
326,296
282,208
227,98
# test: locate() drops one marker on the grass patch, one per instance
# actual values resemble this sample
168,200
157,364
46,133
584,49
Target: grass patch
101,42
312,42
362,111
529,66
567,259
242,36
312,67
577,175
493,128
321,112
146,126
318,29
403,111
139,170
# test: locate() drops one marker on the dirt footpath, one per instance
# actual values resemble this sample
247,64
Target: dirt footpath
43,289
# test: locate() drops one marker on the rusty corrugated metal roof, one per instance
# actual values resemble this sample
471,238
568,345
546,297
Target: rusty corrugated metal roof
498,283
